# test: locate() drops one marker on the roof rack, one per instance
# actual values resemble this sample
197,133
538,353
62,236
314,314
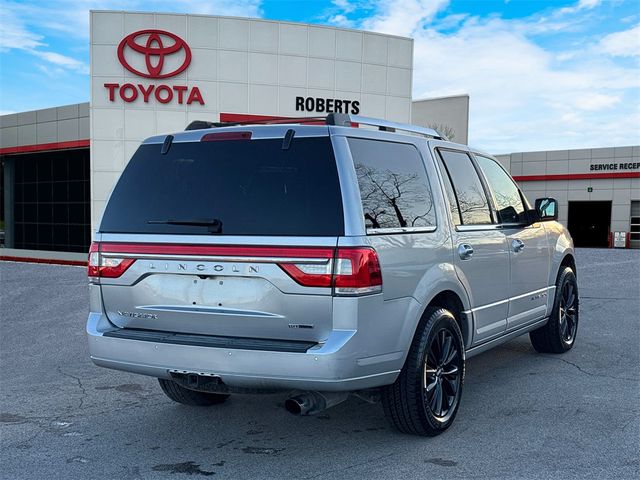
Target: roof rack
345,120
200,124
337,119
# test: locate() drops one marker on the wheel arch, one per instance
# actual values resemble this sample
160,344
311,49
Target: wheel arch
568,261
451,301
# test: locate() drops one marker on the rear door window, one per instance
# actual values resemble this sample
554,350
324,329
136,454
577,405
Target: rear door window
230,187
394,187
472,203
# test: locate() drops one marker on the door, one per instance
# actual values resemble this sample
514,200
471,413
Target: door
527,245
481,255
589,223
230,236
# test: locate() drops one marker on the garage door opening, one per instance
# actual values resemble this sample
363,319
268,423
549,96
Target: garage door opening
589,223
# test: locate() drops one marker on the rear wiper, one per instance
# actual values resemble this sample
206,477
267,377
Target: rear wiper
214,224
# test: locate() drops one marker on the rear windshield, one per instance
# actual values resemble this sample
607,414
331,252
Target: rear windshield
231,187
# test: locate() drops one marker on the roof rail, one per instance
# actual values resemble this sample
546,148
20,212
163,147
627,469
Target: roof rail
200,124
346,120
337,119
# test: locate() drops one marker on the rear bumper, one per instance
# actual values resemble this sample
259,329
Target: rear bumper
339,364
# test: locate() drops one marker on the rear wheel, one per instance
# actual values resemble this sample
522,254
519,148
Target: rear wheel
179,394
425,398
559,334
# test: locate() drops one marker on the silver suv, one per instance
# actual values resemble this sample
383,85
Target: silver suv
323,259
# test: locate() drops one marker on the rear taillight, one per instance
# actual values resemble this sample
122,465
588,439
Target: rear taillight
357,272
350,271
101,266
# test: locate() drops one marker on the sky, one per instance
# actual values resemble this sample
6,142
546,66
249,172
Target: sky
541,75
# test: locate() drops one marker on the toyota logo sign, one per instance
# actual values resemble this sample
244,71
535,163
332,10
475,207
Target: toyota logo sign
162,54
154,51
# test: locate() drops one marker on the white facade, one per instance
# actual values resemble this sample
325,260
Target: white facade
239,66
609,175
449,115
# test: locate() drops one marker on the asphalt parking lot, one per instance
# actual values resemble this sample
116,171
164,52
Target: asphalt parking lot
523,415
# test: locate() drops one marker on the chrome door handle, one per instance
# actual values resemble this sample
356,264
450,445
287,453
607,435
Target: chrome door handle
465,251
517,245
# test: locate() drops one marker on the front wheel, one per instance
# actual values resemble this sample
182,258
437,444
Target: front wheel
559,334
425,397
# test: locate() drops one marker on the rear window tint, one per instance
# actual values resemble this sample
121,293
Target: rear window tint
393,185
253,187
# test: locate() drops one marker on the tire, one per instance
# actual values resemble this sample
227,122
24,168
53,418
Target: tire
193,398
425,397
559,333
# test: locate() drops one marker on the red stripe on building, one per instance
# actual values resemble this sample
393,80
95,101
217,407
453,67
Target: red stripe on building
41,147
244,118
575,176
53,261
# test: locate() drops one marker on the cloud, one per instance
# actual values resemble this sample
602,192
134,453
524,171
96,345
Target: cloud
403,17
71,17
523,95
33,26
13,34
344,5
341,20
581,5
62,61
622,44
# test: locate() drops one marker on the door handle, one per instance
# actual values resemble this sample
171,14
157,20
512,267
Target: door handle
517,245
465,251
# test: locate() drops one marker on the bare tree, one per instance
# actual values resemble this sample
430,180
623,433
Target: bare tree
386,194
443,129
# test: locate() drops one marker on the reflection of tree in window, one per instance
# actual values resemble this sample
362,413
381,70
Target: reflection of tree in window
473,206
508,202
391,199
509,206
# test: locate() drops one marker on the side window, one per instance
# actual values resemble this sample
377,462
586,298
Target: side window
472,204
393,185
505,192
451,198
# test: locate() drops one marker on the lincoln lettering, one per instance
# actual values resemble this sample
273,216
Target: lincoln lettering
162,93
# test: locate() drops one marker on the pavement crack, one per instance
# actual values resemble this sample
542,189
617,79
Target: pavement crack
77,379
586,372
348,467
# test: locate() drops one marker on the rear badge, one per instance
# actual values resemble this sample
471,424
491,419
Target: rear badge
151,316
300,325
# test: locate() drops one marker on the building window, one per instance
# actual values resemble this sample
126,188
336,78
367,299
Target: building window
51,201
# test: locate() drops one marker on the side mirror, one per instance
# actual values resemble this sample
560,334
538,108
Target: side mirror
547,209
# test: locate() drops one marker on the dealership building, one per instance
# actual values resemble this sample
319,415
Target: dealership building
155,73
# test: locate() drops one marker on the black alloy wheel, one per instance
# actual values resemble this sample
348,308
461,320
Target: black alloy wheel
559,333
425,397
568,312
442,375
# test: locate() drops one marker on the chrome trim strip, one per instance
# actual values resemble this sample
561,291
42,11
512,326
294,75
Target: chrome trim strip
489,305
495,304
533,292
504,338
206,258
208,310
478,228
376,231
